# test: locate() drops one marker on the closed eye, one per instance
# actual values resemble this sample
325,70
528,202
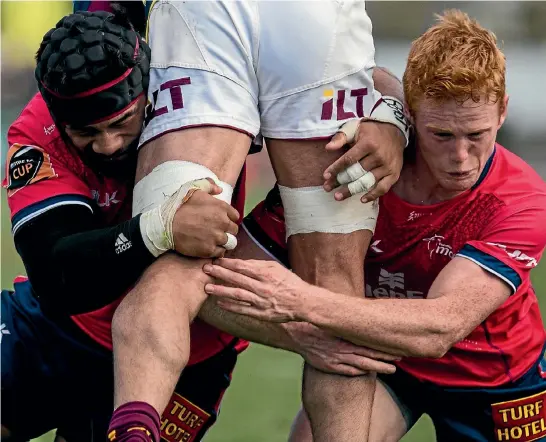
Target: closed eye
85,132
120,123
443,135
476,135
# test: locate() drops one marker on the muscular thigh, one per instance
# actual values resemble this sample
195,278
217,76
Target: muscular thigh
300,163
177,283
170,276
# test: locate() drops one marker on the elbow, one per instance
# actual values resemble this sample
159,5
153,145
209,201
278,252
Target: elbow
433,348
440,339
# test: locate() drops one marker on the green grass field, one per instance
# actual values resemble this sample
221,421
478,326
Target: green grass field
264,396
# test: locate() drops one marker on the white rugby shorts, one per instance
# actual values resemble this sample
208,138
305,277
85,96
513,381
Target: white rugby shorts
281,69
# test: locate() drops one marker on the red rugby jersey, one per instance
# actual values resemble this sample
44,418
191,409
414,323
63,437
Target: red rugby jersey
499,225
43,173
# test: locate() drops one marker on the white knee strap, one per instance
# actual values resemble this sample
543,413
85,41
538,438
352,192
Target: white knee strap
159,195
167,178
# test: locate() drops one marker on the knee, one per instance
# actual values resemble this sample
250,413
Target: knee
317,392
137,330
326,391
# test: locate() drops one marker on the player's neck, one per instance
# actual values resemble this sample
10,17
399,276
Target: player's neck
417,185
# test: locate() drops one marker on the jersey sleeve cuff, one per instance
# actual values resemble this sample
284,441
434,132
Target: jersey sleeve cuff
493,265
32,211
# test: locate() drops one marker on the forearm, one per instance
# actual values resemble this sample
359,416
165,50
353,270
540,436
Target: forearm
400,327
99,266
75,267
244,327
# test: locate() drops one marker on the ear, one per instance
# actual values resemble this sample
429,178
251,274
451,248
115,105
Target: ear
503,111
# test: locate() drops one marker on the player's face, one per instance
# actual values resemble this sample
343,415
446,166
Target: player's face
109,144
455,141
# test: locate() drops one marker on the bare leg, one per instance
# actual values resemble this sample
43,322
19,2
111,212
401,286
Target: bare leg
151,332
339,407
387,424
151,327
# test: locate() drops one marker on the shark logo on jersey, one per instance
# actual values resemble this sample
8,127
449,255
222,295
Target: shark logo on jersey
436,246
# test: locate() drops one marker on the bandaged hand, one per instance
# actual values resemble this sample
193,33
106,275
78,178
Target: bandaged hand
191,221
373,163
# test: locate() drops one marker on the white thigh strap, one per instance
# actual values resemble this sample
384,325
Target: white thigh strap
311,209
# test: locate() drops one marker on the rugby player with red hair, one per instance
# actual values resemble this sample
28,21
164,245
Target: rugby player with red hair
448,271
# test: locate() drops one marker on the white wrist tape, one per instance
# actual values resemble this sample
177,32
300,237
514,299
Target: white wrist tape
391,110
156,225
312,209
160,193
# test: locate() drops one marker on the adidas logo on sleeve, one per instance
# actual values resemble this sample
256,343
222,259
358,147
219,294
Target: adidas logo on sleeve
122,243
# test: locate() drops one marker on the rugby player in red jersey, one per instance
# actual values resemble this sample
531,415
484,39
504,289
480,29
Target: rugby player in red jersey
69,172
448,271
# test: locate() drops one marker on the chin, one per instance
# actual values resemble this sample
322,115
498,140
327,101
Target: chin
458,185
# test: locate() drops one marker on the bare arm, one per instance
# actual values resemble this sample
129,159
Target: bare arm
461,297
319,348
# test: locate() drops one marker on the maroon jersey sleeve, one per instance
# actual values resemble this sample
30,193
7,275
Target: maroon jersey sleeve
37,179
511,246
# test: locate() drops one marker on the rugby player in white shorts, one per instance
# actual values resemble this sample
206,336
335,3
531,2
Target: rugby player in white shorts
228,73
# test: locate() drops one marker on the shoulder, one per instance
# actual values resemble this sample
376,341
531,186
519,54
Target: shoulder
34,125
514,182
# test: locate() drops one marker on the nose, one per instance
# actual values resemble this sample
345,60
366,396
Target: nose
107,143
459,153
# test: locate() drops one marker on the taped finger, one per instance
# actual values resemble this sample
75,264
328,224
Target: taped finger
231,242
363,184
381,188
350,130
352,173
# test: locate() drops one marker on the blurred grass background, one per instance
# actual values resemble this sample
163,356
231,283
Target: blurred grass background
264,396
